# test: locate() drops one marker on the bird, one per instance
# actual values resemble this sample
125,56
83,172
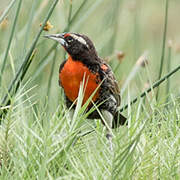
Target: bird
83,62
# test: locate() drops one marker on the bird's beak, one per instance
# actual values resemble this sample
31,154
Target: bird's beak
57,37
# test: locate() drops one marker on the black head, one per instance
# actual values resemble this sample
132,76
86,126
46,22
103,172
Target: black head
78,46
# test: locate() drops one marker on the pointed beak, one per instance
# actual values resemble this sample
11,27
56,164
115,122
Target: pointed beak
57,37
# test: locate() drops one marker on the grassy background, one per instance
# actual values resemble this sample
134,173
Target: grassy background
36,140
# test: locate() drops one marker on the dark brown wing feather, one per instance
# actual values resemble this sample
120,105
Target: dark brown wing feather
111,82
113,87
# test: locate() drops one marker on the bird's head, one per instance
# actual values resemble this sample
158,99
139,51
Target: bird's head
78,46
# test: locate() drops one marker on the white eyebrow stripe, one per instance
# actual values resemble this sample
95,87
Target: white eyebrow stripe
80,39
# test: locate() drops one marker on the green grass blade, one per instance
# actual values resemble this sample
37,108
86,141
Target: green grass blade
51,74
10,39
17,85
29,53
168,69
29,24
69,20
25,69
75,16
86,15
156,84
44,61
163,45
70,12
115,26
7,10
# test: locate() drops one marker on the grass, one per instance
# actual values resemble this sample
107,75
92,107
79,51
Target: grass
164,42
37,140
10,39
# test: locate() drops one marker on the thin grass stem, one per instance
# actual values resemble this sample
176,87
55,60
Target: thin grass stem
70,11
115,26
7,10
29,24
10,39
17,85
168,69
29,53
156,84
86,15
163,44
51,74
69,20
75,16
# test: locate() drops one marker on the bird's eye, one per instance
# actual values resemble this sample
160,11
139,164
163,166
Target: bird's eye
69,39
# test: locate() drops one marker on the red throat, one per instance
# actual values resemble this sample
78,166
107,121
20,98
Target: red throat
71,77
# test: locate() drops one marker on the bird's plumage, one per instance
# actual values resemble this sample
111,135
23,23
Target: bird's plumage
84,61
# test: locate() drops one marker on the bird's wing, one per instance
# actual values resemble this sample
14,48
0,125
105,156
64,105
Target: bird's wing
110,81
